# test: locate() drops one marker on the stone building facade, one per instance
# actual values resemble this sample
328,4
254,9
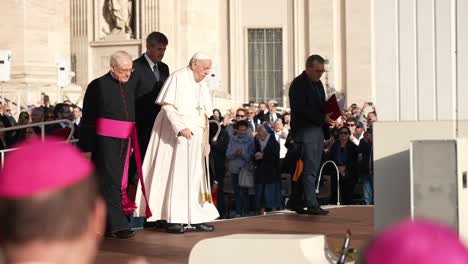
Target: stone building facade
258,46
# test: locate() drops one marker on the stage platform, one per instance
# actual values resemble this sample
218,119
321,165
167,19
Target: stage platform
160,247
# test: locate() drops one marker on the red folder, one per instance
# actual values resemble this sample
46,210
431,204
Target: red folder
331,106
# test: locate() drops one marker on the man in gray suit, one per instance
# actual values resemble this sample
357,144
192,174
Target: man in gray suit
309,122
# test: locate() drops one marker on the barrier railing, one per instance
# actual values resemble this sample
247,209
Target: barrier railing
42,125
337,180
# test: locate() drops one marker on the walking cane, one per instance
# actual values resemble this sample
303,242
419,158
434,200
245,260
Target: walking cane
189,227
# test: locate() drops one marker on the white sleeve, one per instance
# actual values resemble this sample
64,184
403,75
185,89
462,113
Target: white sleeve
175,118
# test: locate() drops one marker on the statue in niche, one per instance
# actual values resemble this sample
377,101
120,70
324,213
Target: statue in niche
118,17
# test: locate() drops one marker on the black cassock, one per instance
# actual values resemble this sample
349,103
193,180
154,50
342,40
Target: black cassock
106,98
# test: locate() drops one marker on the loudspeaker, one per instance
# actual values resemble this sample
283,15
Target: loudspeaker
62,74
262,248
5,65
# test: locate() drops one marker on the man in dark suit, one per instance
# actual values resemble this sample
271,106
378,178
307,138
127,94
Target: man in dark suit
251,118
272,115
46,104
308,118
150,74
262,110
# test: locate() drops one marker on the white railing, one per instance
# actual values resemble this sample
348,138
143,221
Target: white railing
218,129
42,125
337,180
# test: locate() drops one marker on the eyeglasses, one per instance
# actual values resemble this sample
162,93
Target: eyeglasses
124,70
240,115
350,125
344,133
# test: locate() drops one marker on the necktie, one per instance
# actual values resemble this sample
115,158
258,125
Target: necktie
252,125
156,72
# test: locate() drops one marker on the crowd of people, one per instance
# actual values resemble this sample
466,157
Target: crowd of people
257,134
33,114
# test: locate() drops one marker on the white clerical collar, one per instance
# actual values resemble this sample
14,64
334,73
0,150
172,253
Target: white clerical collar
150,62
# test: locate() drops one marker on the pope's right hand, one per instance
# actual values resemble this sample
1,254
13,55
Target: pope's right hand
186,133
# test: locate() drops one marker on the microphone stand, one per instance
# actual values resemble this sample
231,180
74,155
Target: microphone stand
344,248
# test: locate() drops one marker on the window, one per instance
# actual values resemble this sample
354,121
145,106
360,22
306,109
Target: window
265,51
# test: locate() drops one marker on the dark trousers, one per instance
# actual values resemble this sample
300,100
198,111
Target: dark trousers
109,169
311,156
296,200
218,170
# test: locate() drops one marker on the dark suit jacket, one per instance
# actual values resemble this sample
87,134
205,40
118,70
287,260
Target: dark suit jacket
307,101
259,117
255,124
147,90
268,169
266,117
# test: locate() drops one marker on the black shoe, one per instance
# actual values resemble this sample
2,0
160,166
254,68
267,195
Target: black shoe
155,224
316,211
301,210
203,227
175,228
121,234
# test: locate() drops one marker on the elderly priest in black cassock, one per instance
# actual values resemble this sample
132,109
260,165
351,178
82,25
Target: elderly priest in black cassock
107,132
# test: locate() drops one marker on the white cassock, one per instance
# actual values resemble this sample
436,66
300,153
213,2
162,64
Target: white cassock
185,104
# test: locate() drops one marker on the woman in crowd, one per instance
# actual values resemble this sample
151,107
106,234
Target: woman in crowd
24,119
49,115
267,173
240,152
345,153
20,135
217,115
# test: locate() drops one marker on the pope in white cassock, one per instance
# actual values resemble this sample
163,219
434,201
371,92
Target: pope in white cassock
175,160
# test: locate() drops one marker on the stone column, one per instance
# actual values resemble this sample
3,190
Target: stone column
37,32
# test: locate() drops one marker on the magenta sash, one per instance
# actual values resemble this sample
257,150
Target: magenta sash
126,130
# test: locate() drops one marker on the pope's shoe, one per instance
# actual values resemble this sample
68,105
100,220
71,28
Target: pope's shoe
175,228
203,227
